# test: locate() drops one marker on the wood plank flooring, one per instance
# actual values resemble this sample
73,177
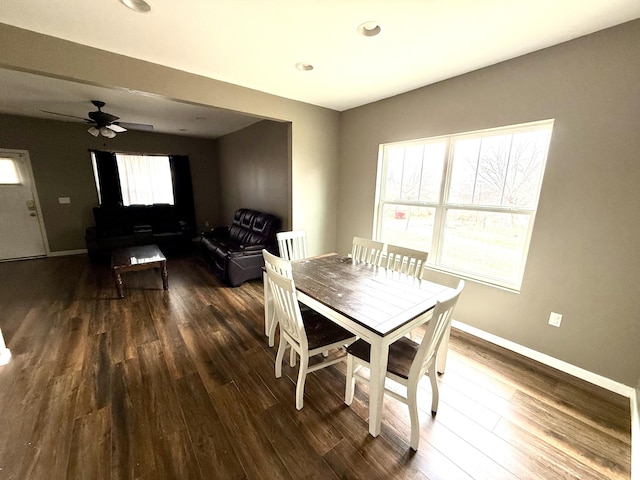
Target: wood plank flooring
180,385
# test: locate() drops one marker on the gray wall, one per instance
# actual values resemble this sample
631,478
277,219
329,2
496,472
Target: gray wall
314,130
59,153
254,170
584,260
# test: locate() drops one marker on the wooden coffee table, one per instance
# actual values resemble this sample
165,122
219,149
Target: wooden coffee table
138,258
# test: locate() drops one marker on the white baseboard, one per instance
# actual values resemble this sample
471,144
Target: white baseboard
64,253
578,372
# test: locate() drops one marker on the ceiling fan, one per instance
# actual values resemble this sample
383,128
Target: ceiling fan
103,123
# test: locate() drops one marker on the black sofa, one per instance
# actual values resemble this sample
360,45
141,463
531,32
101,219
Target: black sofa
119,227
234,252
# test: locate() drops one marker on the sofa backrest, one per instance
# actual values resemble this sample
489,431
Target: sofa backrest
163,218
112,221
121,220
252,227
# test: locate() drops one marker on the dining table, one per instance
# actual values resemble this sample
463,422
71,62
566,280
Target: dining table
378,305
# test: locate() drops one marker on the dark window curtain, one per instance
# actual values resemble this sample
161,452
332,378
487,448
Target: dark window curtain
183,190
108,178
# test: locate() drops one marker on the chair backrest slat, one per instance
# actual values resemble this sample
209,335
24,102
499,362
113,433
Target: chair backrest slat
406,260
293,244
276,264
367,251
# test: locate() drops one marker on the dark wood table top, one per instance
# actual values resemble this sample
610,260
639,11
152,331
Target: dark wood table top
138,255
379,300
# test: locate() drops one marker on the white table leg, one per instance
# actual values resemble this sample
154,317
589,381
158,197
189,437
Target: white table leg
379,358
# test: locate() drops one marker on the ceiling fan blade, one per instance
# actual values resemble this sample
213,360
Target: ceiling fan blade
116,128
65,115
136,126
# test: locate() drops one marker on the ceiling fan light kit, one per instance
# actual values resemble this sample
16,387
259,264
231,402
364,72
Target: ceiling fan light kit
139,6
104,122
106,132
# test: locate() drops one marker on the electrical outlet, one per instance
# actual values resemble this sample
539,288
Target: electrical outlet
555,319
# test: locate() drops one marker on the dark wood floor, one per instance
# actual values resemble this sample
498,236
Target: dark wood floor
180,385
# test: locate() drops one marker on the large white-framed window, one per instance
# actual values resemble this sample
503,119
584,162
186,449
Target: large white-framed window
144,179
470,199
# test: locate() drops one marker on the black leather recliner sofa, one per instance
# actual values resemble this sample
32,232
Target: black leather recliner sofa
120,226
234,253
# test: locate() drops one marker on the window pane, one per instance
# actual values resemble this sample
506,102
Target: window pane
9,172
94,164
499,170
408,226
414,172
492,168
433,161
463,175
395,164
145,179
524,177
485,243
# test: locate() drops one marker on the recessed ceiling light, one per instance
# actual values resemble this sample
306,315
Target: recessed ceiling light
369,29
304,67
137,5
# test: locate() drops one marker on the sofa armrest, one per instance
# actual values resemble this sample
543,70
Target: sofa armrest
258,247
216,232
246,251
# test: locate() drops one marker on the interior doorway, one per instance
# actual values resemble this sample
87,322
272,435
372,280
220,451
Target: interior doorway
22,233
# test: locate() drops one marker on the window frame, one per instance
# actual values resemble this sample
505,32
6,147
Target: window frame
443,205
124,156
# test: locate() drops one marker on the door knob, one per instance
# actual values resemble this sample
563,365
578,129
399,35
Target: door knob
33,214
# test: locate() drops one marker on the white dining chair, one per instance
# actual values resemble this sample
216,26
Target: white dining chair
366,250
292,245
408,362
283,267
307,333
405,260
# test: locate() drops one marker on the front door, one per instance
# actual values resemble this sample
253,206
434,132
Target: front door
21,228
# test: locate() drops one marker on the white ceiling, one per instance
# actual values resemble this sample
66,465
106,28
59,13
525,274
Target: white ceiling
256,43
33,95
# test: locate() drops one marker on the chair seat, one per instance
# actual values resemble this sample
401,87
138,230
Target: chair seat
321,331
401,355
